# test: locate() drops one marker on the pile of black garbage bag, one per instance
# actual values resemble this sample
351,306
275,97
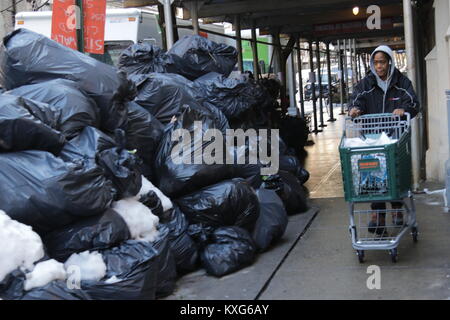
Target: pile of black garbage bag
76,135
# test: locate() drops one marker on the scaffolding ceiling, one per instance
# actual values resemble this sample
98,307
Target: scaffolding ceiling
325,20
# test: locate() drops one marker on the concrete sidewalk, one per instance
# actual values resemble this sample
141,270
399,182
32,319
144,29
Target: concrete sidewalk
323,265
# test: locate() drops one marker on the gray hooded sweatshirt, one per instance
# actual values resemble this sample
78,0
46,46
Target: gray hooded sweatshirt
384,85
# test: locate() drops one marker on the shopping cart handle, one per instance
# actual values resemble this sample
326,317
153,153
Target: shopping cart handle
369,149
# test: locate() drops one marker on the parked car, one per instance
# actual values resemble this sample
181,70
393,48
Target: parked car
325,89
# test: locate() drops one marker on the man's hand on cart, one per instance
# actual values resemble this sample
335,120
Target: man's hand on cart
354,112
399,112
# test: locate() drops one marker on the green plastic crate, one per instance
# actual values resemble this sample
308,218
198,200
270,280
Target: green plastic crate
390,163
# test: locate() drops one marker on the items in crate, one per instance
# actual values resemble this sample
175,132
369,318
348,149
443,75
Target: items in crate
373,140
369,173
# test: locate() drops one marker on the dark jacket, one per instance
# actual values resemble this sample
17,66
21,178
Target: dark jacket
369,97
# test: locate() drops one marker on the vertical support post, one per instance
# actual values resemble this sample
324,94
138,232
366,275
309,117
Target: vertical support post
255,52
330,91
237,23
292,110
80,24
347,87
168,20
410,56
313,87
300,79
194,16
355,63
341,77
319,76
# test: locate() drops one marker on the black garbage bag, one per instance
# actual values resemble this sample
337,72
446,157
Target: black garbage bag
231,96
272,220
76,109
144,132
144,58
292,165
27,57
181,173
290,190
20,130
228,203
229,249
43,191
119,165
163,94
153,202
135,266
183,247
294,131
194,56
94,233
12,288
167,272
122,168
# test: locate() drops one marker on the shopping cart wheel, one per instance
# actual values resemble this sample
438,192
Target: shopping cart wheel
393,253
414,233
360,254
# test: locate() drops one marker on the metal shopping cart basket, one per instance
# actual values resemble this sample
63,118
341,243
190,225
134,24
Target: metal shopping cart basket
378,174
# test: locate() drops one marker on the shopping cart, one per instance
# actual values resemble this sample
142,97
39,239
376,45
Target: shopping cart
378,174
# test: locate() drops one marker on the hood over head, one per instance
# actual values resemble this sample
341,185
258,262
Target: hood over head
383,84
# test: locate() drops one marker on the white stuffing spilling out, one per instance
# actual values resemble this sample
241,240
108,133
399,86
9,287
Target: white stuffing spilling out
44,273
140,220
20,246
358,142
90,264
147,186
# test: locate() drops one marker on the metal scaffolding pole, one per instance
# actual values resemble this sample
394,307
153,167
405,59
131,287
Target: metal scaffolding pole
319,76
313,87
80,25
300,80
292,110
255,52
347,87
237,23
341,77
330,91
410,56
168,20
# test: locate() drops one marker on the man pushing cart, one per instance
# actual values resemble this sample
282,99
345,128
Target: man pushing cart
376,157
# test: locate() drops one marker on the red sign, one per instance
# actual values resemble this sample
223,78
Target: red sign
94,26
64,24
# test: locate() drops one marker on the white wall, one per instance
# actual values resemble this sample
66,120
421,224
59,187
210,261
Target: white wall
438,81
